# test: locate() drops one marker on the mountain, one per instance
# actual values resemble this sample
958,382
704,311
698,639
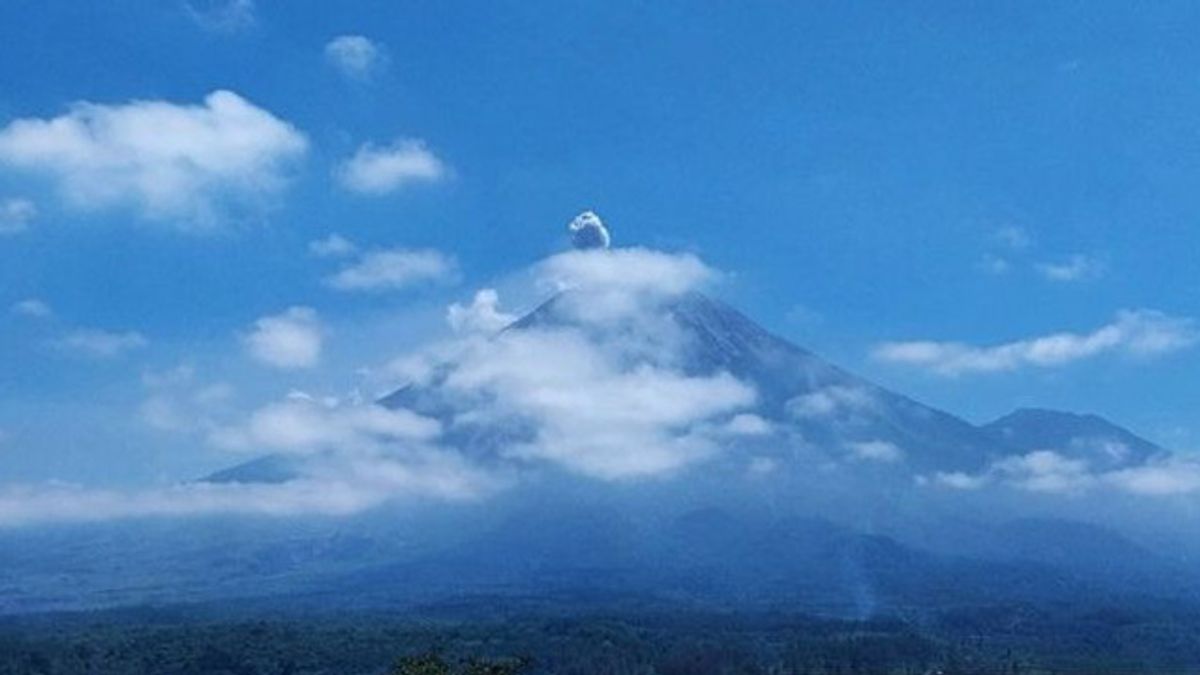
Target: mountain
797,391
1089,437
270,469
838,525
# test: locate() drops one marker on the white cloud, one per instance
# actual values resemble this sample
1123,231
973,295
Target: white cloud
610,284
176,401
1172,476
1044,471
958,480
629,270
15,215
394,269
33,308
226,16
1051,472
102,344
358,486
187,164
1139,333
831,401
483,315
1076,268
590,409
356,56
303,425
747,424
876,451
290,340
333,246
378,170
597,389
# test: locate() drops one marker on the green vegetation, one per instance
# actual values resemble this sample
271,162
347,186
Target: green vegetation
967,641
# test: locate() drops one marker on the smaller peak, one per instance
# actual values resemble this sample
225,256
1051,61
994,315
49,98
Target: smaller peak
1048,414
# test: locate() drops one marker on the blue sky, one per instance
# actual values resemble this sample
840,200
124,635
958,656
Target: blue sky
966,173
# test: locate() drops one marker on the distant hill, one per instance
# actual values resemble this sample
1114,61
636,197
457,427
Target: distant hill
1089,437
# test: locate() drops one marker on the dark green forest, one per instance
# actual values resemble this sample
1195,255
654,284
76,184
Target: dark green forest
966,640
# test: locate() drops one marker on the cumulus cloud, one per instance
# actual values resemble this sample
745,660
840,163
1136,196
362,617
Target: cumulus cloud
1076,268
590,410
394,269
15,215
32,308
592,385
356,56
101,344
483,315
588,231
186,164
333,246
290,340
378,170
1139,333
606,285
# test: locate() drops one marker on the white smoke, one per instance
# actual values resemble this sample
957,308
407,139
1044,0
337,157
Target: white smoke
588,232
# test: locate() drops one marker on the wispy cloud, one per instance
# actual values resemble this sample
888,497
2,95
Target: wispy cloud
15,215
360,485
225,16
356,56
185,164
394,269
333,246
1051,472
1139,333
178,402
290,340
876,451
1076,268
1013,237
33,308
101,344
304,425
379,170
